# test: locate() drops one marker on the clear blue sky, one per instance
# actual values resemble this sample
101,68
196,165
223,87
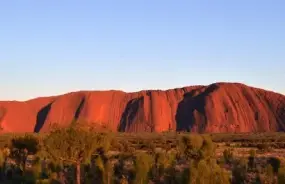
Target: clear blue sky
51,47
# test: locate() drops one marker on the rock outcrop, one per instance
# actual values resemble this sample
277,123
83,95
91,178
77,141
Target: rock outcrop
219,107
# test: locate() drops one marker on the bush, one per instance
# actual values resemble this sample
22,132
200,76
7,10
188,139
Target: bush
275,163
239,171
196,147
194,142
126,147
269,173
103,171
251,159
281,175
143,164
116,145
29,142
228,155
208,148
45,181
263,146
252,153
207,171
162,162
119,168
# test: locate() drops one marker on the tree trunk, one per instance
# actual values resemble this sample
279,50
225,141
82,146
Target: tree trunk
78,173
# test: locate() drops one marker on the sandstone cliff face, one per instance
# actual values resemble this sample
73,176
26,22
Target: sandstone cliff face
219,107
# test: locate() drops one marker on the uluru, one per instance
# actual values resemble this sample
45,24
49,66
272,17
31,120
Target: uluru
216,108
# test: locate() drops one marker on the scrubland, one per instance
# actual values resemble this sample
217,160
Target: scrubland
80,155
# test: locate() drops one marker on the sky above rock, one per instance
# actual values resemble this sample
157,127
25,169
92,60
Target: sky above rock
53,47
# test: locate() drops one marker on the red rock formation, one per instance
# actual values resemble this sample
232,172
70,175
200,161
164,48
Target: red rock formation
219,107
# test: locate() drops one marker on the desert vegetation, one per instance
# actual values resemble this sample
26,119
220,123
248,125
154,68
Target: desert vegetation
78,154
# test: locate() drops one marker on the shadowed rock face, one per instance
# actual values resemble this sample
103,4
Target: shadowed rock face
219,107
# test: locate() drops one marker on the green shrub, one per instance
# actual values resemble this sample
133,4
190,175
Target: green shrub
275,163
263,146
196,147
207,171
126,146
45,181
99,170
108,173
143,164
251,159
162,162
239,171
116,145
281,175
103,171
269,174
29,142
2,158
252,153
228,155
193,142
208,148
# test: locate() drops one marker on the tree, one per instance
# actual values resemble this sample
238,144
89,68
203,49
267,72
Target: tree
74,144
